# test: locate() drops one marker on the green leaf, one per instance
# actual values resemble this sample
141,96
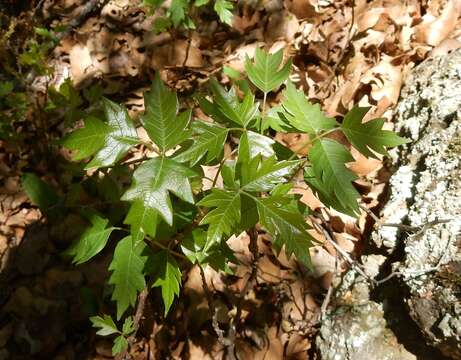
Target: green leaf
120,344
161,120
143,220
369,136
127,273
253,144
108,141
209,139
167,276
92,241
177,11
128,326
303,115
218,256
240,113
265,73
328,199
224,10
328,158
39,192
287,226
224,217
106,325
154,179
264,175
87,140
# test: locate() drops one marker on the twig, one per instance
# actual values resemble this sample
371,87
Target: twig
223,340
137,318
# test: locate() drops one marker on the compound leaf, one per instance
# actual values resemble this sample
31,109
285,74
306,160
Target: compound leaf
369,135
328,158
161,120
154,179
120,344
127,273
264,72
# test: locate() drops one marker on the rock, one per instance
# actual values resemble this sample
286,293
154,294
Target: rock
356,328
426,195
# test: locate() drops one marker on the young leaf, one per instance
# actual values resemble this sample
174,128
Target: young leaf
328,159
120,344
208,139
224,217
287,227
39,192
92,241
167,276
223,9
128,326
154,179
229,105
143,220
106,325
127,273
369,135
265,73
161,120
302,115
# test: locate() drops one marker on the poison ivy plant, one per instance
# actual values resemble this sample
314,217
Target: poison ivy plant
170,217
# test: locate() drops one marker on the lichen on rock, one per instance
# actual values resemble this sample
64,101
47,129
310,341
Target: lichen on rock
426,193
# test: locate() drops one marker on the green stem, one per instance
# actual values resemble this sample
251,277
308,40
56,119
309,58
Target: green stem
263,111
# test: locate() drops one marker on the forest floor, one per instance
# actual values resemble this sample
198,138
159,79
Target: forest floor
344,53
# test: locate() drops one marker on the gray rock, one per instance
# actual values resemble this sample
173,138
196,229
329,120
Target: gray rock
425,189
355,329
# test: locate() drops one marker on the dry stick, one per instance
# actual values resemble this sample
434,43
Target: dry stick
326,301
343,253
224,341
137,319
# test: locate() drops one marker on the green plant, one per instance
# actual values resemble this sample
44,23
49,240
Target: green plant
177,13
169,212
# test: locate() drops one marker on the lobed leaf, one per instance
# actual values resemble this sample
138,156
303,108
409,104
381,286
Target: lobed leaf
167,276
127,273
369,136
328,159
302,115
208,139
154,180
264,72
106,325
92,241
161,120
